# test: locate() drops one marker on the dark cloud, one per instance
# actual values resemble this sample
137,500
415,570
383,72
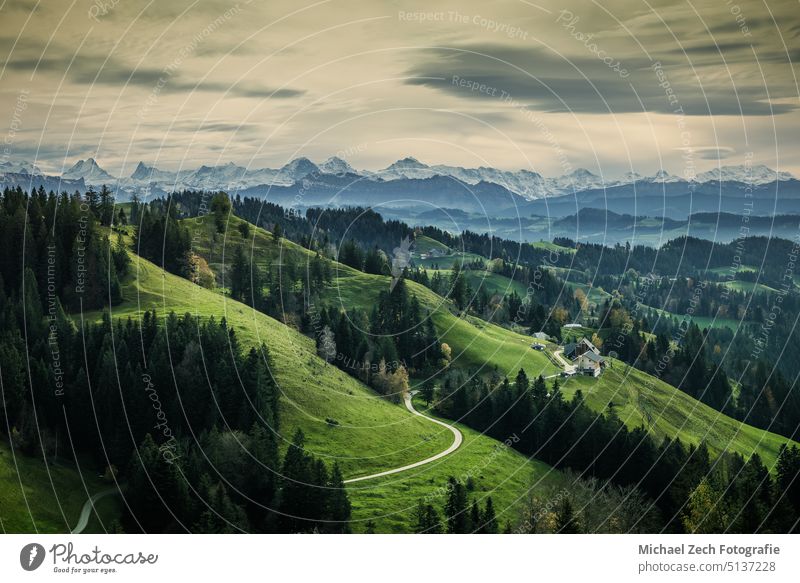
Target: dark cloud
716,48
713,152
246,89
789,56
97,70
216,127
735,53
756,26
22,5
549,82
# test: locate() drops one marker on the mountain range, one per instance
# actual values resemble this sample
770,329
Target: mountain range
460,198
527,184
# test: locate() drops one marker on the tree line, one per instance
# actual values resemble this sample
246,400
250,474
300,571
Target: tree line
682,481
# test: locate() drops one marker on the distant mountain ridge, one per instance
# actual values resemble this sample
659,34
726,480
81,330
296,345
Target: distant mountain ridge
526,184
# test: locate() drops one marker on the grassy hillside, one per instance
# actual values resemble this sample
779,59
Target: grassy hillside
474,342
749,286
424,244
373,434
641,399
478,344
40,498
726,271
447,261
493,283
701,321
496,470
552,247
595,296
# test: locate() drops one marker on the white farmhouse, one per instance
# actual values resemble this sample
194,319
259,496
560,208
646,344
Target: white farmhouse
585,357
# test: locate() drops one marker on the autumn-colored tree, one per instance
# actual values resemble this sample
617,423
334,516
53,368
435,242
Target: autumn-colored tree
705,512
447,353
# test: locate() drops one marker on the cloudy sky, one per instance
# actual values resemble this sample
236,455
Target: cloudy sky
609,85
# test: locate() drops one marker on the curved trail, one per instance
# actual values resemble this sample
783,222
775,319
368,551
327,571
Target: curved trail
88,506
559,356
458,439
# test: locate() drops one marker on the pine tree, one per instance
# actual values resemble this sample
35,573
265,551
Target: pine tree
522,382
374,262
788,475
296,476
539,391
458,287
455,509
474,517
221,207
428,390
338,503
428,521
239,276
489,520
566,522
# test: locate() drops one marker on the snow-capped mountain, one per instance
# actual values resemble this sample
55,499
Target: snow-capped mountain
577,180
148,174
336,165
21,167
532,185
212,177
298,168
90,171
662,177
631,177
758,174
528,184
523,182
410,168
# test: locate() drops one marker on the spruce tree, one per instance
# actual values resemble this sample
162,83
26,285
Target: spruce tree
474,517
338,503
489,520
428,521
522,382
455,508
566,522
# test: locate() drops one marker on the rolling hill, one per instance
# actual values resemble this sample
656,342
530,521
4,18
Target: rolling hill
641,399
373,434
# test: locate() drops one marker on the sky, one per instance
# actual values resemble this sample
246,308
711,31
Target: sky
612,86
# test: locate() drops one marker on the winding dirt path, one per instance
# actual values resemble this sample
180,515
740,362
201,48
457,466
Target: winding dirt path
458,439
559,356
88,506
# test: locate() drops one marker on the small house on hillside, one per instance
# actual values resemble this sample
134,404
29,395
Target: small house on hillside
540,336
585,356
